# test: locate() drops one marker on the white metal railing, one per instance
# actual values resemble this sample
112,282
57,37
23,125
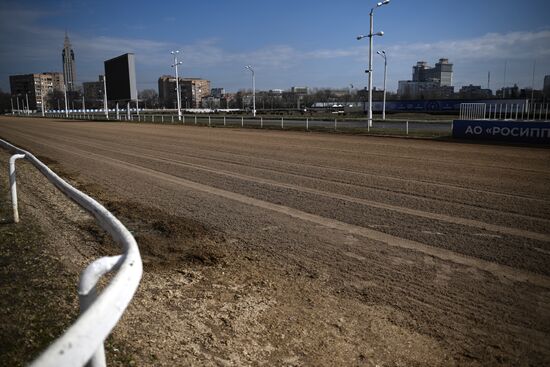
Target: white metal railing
390,126
505,111
472,111
82,343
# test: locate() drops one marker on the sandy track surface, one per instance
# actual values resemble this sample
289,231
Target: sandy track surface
266,247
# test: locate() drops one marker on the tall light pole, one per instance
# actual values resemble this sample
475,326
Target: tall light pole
383,54
42,101
66,102
249,67
11,100
105,107
175,65
533,83
370,36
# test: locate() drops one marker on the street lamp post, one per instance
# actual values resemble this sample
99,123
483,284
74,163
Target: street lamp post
383,54
42,102
370,36
11,100
249,67
105,107
27,99
175,65
66,102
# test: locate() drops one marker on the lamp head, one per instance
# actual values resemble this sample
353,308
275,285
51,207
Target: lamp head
360,37
381,33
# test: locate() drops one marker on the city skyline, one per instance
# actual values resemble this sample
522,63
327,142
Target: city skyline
290,44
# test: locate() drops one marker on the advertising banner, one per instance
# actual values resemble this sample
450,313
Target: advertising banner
512,131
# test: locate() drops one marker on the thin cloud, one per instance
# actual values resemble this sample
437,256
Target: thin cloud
22,37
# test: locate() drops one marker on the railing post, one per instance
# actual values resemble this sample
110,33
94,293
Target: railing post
261,122
209,120
407,127
195,119
282,122
13,185
242,121
223,120
335,124
307,123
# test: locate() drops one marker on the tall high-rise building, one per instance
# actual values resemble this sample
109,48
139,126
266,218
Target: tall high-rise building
69,69
428,82
442,73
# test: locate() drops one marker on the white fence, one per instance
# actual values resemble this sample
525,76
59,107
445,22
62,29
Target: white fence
82,343
505,111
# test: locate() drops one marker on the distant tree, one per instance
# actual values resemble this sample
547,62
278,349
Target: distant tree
149,98
55,100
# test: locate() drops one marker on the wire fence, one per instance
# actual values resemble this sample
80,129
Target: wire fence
304,123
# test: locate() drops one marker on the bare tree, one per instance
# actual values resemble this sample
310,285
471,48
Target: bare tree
149,98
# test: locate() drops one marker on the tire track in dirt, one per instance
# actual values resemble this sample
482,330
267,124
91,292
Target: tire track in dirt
370,203
212,147
436,200
447,255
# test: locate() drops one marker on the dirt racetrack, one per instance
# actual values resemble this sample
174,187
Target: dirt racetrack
305,249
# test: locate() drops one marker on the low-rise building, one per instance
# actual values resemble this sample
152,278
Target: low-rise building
474,92
217,92
93,91
423,90
35,88
192,91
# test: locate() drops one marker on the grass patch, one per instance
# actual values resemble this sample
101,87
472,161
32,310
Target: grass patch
38,299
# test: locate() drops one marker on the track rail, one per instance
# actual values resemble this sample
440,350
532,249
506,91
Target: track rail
82,343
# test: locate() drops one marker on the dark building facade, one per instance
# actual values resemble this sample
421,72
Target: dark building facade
94,91
474,92
167,91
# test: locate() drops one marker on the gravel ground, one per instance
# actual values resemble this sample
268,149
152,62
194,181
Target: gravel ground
285,248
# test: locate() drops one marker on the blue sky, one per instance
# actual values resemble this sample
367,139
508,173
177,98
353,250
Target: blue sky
290,43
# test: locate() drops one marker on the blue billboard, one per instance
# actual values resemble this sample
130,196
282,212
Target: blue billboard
512,131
